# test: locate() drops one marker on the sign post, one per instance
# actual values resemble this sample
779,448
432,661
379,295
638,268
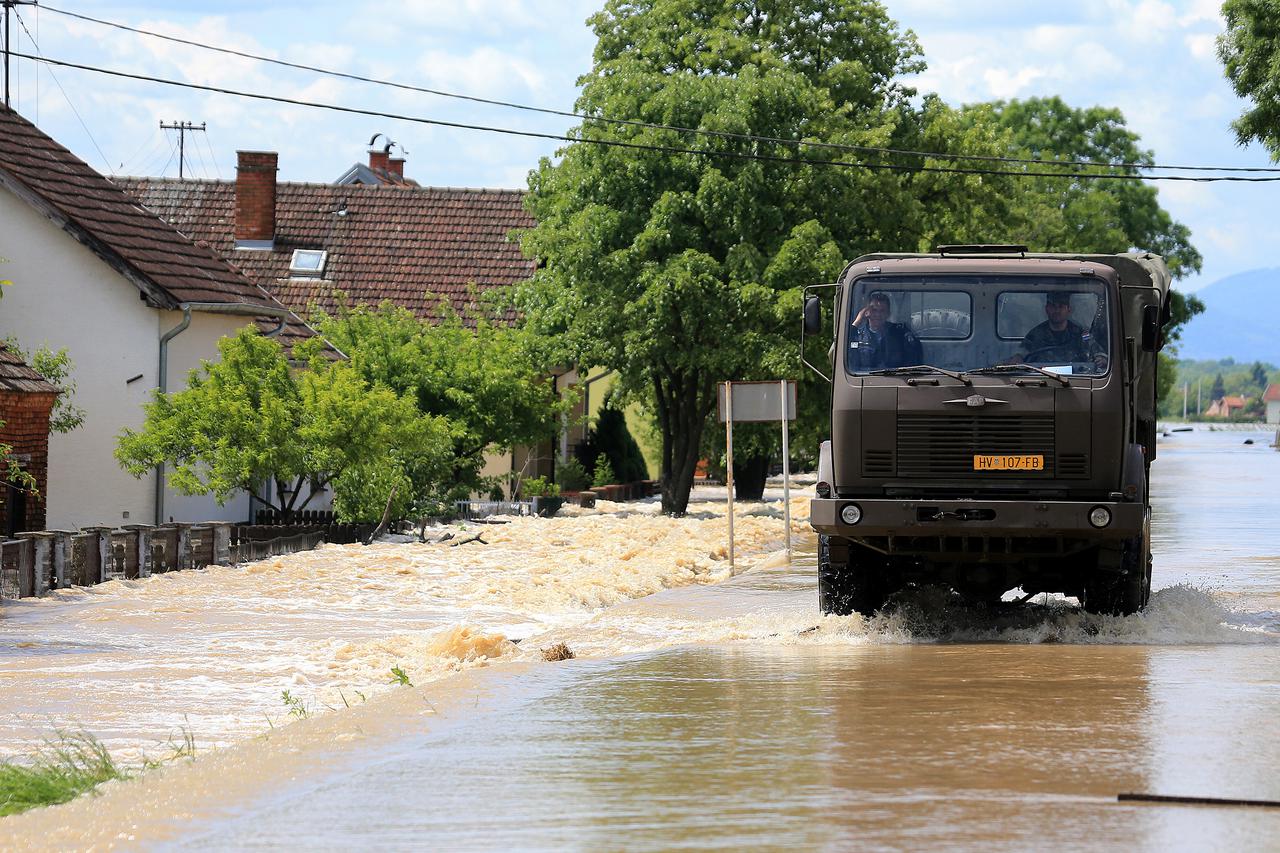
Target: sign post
728,456
786,464
759,401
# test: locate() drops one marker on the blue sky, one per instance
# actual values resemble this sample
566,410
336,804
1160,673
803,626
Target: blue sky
1153,60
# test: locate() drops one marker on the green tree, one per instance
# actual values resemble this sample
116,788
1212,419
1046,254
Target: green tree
1250,52
1218,391
1259,375
1089,215
681,270
489,384
10,470
250,419
57,367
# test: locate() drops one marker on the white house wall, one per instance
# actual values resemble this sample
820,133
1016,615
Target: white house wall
64,295
194,345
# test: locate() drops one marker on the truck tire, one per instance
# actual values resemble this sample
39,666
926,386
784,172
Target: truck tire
1121,584
847,584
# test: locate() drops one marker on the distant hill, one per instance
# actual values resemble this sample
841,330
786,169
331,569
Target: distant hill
1242,313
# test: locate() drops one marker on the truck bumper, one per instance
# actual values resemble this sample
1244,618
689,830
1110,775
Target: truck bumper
898,517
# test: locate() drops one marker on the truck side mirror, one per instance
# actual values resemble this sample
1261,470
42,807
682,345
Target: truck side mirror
812,315
1151,328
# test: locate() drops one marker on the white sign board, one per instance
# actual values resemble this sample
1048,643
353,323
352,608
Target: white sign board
759,401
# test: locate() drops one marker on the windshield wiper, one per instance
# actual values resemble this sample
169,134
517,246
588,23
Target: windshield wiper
919,368
1009,368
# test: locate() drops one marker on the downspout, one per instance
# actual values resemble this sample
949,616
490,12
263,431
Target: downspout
241,309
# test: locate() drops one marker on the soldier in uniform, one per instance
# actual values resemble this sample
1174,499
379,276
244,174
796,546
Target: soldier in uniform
1059,338
877,343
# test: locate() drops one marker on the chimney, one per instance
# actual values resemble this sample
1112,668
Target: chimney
379,159
395,166
255,226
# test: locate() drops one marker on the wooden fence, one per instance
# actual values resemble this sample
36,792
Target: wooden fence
35,563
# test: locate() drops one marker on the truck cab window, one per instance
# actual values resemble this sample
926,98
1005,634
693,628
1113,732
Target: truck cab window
963,322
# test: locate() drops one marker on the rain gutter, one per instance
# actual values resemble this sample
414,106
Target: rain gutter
237,308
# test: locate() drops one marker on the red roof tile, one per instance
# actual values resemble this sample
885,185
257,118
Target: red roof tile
1272,394
111,223
410,245
16,375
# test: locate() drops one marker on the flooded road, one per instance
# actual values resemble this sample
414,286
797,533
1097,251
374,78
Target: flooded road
720,714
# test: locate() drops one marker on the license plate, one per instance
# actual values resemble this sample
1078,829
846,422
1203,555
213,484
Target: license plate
1008,463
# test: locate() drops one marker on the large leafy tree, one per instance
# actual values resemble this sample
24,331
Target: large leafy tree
680,270
251,419
1250,52
488,382
1089,214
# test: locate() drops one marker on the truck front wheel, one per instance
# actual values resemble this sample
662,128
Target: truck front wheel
1121,584
850,578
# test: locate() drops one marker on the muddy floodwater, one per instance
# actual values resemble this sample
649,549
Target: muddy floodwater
702,710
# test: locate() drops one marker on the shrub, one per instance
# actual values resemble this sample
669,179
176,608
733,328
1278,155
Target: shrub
604,472
538,487
572,475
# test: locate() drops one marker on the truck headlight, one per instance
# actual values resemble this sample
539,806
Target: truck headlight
851,513
1099,516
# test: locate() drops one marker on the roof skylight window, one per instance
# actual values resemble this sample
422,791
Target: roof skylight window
308,262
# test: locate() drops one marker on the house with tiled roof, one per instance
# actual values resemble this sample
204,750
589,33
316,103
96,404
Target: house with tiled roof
375,236
306,243
26,403
1271,400
1226,407
137,305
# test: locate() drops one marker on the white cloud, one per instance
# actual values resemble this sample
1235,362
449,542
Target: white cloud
1228,241
1003,83
1203,10
1202,46
1153,16
484,71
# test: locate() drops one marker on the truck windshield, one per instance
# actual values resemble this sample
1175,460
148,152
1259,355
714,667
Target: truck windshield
967,322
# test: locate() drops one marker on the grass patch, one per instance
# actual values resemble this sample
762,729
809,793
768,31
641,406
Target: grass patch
63,769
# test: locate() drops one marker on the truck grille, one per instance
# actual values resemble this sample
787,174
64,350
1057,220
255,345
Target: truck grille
877,463
943,445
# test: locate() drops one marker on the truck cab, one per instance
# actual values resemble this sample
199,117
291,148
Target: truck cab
992,426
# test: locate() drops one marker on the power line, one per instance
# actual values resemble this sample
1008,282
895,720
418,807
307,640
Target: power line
58,83
668,149
213,158
183,128
799,143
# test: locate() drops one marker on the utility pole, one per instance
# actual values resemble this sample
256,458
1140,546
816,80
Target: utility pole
9,5
1184,401
182,127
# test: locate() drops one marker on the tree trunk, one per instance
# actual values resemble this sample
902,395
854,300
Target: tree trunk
748,477
683,407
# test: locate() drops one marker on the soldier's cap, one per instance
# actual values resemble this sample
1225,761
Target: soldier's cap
1058,297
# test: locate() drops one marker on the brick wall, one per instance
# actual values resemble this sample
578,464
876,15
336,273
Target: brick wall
26,429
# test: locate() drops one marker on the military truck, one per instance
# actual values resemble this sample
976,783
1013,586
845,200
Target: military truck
993,423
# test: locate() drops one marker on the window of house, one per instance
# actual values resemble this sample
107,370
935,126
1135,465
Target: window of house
308,262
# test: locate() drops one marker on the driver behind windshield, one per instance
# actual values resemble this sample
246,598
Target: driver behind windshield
1059,338
877,343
